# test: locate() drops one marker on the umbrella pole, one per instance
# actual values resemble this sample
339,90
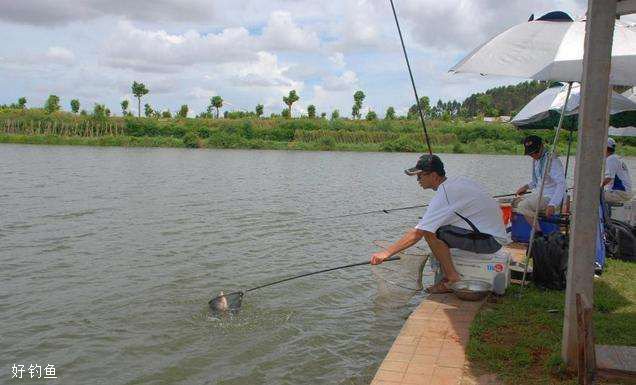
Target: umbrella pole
546,170
567,163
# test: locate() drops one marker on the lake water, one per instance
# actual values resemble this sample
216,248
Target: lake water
109,256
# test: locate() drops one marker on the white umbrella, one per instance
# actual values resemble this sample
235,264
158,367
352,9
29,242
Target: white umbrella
543,111
550,48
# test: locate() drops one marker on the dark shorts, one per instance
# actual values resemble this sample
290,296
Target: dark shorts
469,240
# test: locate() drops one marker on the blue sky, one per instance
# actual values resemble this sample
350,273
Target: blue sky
249,51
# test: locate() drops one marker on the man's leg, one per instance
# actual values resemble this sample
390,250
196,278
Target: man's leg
442,253
528,206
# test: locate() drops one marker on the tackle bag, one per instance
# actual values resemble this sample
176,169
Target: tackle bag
550,261
620,240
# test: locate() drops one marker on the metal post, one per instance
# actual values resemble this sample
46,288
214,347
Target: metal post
592,135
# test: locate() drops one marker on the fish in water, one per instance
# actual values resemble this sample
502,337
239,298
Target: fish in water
221,302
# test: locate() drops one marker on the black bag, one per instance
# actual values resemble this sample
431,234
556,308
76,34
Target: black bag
469,240
550,261
620,240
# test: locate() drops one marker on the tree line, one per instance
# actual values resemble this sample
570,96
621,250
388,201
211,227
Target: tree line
506,100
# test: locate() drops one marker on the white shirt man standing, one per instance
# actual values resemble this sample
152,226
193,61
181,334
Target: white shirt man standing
616,182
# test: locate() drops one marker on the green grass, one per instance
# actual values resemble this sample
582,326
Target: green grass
519,337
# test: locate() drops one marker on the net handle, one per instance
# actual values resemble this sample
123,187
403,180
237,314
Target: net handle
318,272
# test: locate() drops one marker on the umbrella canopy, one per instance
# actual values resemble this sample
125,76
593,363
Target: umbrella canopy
544,111
549,48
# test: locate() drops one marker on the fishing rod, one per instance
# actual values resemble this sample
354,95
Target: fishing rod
386,211
408,65
232,301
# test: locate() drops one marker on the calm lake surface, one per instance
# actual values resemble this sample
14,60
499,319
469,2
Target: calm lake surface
109,256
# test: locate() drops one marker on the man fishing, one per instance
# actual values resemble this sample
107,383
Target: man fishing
554,187
461,215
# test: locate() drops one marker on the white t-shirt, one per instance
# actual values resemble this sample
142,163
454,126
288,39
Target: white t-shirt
616,169
470,199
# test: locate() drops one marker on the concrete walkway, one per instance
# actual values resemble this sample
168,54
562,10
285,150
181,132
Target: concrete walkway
431,347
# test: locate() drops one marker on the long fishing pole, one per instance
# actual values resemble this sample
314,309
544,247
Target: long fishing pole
386,211
408,65
319,272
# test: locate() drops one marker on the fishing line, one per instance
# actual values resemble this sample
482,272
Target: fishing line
408,65
387,211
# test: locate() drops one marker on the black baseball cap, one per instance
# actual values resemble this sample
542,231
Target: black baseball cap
427,163
532,144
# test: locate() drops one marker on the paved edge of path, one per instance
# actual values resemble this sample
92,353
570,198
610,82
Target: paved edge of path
431,347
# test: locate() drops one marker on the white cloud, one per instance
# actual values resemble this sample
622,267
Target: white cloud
61,12
202,93
338,60
281,33
344,82
24,61
60,55
266,72
159,51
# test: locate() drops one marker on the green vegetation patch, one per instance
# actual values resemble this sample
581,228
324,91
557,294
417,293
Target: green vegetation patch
519,336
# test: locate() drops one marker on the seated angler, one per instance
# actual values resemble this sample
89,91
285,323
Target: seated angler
461,215
554,187
616,181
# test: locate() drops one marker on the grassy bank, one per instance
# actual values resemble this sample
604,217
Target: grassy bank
399,135
519,338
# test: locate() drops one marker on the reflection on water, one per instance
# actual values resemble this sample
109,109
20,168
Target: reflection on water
110,256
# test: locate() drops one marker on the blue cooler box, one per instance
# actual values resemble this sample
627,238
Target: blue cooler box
521,228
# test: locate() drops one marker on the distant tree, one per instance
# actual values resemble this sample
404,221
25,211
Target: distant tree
259,110
426,108
183,111
355,111
139,90
311,111
371,115
390,113
124,107
166,114
75,106
285,113
148,111
156,114
335,115
358,98
83,113
323,115
225,114
52,104
216,102
99,111
22,102
290,99
485,105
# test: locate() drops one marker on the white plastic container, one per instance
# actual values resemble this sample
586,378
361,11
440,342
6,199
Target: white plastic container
625,213
492,268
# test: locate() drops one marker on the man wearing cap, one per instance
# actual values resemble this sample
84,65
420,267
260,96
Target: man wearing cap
554,187
460,215
617,182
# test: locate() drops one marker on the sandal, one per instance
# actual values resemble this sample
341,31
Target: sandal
439,288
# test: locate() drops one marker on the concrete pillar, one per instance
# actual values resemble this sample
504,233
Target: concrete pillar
592,136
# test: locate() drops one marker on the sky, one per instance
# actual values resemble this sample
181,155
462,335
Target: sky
249,51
